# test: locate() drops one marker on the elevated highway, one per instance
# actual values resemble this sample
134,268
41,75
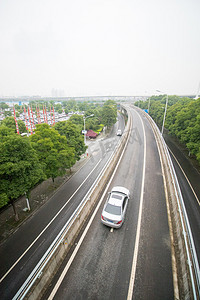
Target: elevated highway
134,262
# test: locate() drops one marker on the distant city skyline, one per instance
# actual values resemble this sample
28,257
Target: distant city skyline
60,93
97,48
57,92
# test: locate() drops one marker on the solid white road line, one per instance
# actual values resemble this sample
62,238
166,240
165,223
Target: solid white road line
134,263
47,225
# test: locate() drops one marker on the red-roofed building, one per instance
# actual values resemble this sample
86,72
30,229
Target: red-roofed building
91,134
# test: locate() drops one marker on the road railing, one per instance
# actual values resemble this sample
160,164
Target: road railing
185,253
47,266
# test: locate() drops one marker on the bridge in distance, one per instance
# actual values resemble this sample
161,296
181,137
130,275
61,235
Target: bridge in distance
135,98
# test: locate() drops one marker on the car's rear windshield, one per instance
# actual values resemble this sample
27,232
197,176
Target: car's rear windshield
113,209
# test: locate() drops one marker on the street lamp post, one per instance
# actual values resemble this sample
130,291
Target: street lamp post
84,118
164,115
148,105
84,131
164,112
148,102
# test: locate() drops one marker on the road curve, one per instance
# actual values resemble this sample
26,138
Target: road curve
133,262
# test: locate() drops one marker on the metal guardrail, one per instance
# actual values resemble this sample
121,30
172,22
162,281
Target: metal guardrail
38,270
192,259
191,254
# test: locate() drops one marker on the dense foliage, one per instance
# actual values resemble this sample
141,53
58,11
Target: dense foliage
54,154
73,137
182,119
20,169
101,115
10,122
109,113
26,161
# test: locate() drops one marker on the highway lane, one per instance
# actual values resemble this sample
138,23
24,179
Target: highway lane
190,189
39,231
140,250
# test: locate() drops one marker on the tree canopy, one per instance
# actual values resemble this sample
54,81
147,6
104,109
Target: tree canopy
20,169
109,113
73,136
182,119
10,122
54,153
3,105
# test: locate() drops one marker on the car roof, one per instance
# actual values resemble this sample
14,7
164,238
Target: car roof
116,198
115,202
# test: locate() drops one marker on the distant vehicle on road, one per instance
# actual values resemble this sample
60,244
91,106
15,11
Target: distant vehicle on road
119,132
114,210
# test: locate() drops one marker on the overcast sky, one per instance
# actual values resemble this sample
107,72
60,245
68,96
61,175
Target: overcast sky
99,47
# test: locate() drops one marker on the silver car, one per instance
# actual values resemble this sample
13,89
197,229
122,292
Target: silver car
114,210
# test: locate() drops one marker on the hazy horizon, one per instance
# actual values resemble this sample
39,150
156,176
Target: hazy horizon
99,47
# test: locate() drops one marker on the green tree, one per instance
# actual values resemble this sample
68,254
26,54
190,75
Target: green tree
5,131
187,126
182,119
51,147
109,113
7,113
3,105
83,106
77,120
73,136
60,111
10,122
19,168
71,104
58,107
17,107
171,116
157,111
66,111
